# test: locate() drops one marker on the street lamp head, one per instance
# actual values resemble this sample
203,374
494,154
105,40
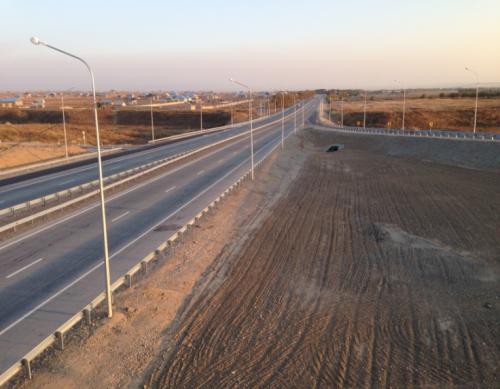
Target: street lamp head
35,40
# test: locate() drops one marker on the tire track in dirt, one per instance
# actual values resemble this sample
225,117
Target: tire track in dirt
372,271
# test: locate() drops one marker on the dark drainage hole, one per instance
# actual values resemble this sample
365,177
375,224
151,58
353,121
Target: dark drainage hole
333,148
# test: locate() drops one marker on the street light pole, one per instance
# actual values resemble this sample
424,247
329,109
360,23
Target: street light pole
37,41
303,114
404,104
364,111
152,123
477,95
330,108
250,118
64,126
294,114
201,114
342,111
282,120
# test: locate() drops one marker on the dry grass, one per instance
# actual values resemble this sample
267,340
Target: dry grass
453,114
13,155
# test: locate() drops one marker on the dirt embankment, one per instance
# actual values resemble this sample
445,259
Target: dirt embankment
117,127
14,155
366,271
372,271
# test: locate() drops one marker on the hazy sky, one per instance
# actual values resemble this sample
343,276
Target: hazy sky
281,44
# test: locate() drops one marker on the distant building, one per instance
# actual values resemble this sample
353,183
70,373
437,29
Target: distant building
38,103
9,102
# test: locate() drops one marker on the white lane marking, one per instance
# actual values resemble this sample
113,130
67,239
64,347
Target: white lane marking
220,161
118,195
66,182
125,157
98,265
200,172
169,189
121,194
24,268
119,217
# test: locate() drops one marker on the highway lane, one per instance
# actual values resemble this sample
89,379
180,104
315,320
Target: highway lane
47,276
33,188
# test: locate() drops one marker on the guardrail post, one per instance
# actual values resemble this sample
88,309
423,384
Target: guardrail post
27,368
128,280
144,266
60,340
87,313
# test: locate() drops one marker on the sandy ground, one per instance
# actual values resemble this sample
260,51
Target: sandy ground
354,269
14,155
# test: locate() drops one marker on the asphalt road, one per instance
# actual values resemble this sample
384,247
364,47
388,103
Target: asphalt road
50,273
33,188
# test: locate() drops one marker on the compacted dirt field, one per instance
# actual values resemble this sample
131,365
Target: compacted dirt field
372,271
363,268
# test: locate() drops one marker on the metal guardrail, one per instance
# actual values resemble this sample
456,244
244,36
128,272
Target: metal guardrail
130,175
86,312
436,134
215,129
73,158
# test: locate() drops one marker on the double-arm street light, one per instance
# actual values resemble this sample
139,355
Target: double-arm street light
250,117
477,95
404,104
37,41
